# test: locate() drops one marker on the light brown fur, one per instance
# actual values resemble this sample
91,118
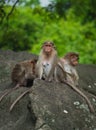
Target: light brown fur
21,73
69,63
70,76
47,61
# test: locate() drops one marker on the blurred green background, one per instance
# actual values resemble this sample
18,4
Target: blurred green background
70,24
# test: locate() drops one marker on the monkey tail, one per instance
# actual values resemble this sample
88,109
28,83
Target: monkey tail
83,95
15,102
6,92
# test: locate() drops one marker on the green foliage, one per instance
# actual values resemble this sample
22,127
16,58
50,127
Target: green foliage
70,35
28,28
84,9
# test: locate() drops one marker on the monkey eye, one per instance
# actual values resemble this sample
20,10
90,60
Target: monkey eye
48,45
74,57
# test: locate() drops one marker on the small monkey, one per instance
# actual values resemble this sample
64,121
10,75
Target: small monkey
21,74
47,61
23,71
70,61
65,72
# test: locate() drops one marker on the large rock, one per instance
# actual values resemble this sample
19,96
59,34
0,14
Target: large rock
50,105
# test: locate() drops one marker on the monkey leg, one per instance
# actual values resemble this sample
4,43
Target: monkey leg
83,95
18,98
8,91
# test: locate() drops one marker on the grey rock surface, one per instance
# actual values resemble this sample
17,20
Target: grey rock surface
50,105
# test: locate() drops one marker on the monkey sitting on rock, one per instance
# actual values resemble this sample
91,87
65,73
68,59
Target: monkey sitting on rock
47,61
65,72
22,74
48,67
69,62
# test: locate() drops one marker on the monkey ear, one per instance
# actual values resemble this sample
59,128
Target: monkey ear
77,55
54,47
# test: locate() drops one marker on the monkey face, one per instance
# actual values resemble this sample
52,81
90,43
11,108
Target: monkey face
48,48
74,60
72,57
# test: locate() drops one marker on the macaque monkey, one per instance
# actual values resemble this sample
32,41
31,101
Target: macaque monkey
70,61
65,72
47,61
45,65
22,73
67,66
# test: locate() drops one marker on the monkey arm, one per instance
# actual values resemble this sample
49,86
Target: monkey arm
50,77
39,69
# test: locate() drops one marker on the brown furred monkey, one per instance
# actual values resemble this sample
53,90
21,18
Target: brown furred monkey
22,73
69,62
65,72
47,61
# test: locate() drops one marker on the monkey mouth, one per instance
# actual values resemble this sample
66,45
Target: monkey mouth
75,63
